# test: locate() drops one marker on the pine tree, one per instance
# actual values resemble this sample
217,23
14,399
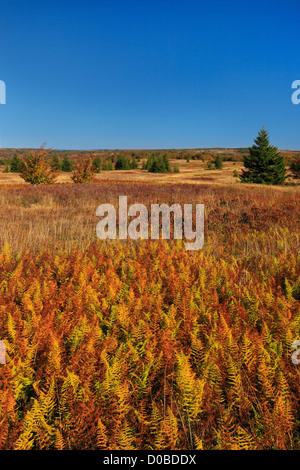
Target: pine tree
123,163
166,163
97,164
66,164
264,165
158,164
134,164
15,164
218,162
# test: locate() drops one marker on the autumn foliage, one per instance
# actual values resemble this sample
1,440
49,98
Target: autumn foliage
35,168
144,345
83,170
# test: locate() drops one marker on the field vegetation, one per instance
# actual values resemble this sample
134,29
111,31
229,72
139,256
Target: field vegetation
142,344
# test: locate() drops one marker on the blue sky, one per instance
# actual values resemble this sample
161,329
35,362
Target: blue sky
148,74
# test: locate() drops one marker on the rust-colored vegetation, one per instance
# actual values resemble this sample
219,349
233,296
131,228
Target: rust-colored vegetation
144,345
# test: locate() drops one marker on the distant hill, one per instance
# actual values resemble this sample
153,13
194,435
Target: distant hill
228,154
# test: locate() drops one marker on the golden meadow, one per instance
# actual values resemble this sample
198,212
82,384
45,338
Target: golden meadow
142,344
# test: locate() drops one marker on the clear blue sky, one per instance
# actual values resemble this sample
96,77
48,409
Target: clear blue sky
149,73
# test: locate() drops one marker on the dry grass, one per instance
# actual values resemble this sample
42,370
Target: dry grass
192,172
90,316
63,215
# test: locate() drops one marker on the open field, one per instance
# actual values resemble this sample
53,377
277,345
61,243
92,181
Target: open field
144,345
193,172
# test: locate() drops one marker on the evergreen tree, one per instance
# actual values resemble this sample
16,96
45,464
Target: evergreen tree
264,165
66,164
124,163
15,164
97,164
166,163
158,164
218,162
149,161
134,164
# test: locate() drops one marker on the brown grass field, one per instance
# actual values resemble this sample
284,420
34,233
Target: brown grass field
142,344
194,172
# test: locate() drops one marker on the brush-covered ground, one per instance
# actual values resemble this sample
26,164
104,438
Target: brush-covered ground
142,344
